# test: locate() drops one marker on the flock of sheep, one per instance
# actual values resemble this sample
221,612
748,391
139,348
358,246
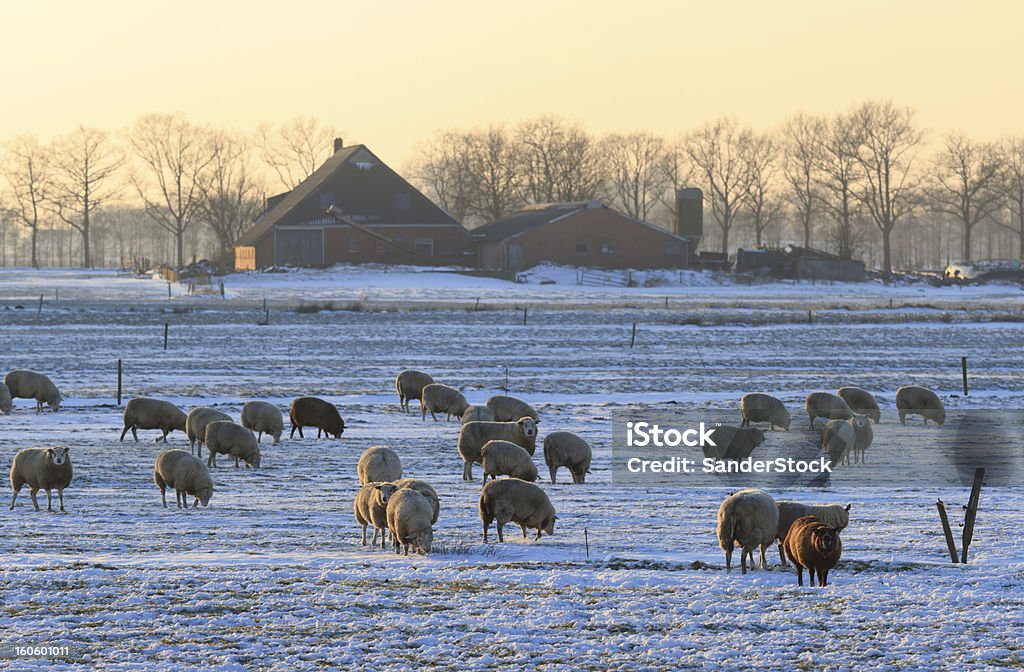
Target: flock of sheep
501,436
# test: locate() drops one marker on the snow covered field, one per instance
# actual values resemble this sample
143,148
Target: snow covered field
272,576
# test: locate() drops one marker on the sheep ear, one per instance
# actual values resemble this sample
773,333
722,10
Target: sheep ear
848,506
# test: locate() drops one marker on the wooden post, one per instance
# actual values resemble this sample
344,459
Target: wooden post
40,311
950,544
666,303
810,317
476,306
890,304
972,512
266,319
264,303
119,382
524,317
586,541
506,381
222,289
632,340
168,289
166,329
56,294
963,371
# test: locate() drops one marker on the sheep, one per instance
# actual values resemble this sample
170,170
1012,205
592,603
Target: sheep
914,400
195,425
861,401
42,469
438,398
424,489
378,464
233,440
863,436
815,546
477,413
261,416
826,405
474,435
408,515
146,413
750,519
565,449
510,409
370,508
733,443
503,458
833,515
314,412
514,500
25,384
6,403
757,407
187,474
409,384
837,440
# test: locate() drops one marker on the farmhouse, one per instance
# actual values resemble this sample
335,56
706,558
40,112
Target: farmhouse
586,233
379,217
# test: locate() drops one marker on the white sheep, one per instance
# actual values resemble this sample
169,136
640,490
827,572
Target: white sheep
25,384
42,469
409,384
758,407
370,508
750,519
733,443
378,464
187,474
438,398
516,501
6,403
503,458
424,489
474,435
863,436
409,514
915,400
861,401
510,409
262,416
195,425
233,440
477,413
826,405
837,440
834,515
565,449
146,413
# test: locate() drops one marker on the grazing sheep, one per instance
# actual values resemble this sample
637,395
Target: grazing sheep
41,469
477,413
146,413
516,501
370,508
733,443
502,458
195,425
813,545
748,518
6,403
565,449
833,515
438,398
826,405
25,384
757,407
409,384
474,435
863,436
424,489
233,440
409,514
837,440
378,464
510,409
314,412
262,416
187,474
914,400
861,401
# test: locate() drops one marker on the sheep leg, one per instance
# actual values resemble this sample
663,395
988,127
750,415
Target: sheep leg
538,533
728,559
124,432
135,434
743,559
163,495
60,498
18,489
467,471
49,507
782,555
199,449
799,574
259,436
32,492
406,545
823,578
432,416
373,541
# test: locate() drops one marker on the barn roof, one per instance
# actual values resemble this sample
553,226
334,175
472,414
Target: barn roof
538,215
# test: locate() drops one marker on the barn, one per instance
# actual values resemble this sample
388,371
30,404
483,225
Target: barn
378,218
586,233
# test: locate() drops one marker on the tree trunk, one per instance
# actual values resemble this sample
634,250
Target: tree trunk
35,235
967,242
887,252
180,235
807,232
725,240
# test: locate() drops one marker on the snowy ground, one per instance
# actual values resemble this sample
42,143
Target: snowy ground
272,576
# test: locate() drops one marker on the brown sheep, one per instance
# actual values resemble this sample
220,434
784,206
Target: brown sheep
815,546
42,469
314,412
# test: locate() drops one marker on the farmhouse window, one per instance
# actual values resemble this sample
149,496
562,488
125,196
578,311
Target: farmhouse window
581,248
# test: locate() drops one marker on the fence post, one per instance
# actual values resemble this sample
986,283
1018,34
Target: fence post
119,382
166,329
972,511
963,370
40,311
950,544
632,339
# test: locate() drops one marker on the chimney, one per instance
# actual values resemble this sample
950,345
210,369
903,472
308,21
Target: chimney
338,144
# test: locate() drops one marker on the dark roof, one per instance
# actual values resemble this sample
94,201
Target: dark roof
525,220
367,195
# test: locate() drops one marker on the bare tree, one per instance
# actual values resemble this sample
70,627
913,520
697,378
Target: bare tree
229,192
838,178
634,168
965,177
442,167
560,161
296,149
83,162
716,151
27,168
761,156
1011,153
173,154
493,161
888,143
802,139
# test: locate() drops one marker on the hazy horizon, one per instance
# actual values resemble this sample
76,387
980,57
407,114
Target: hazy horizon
391,75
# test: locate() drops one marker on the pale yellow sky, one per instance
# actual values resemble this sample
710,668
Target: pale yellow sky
390,73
